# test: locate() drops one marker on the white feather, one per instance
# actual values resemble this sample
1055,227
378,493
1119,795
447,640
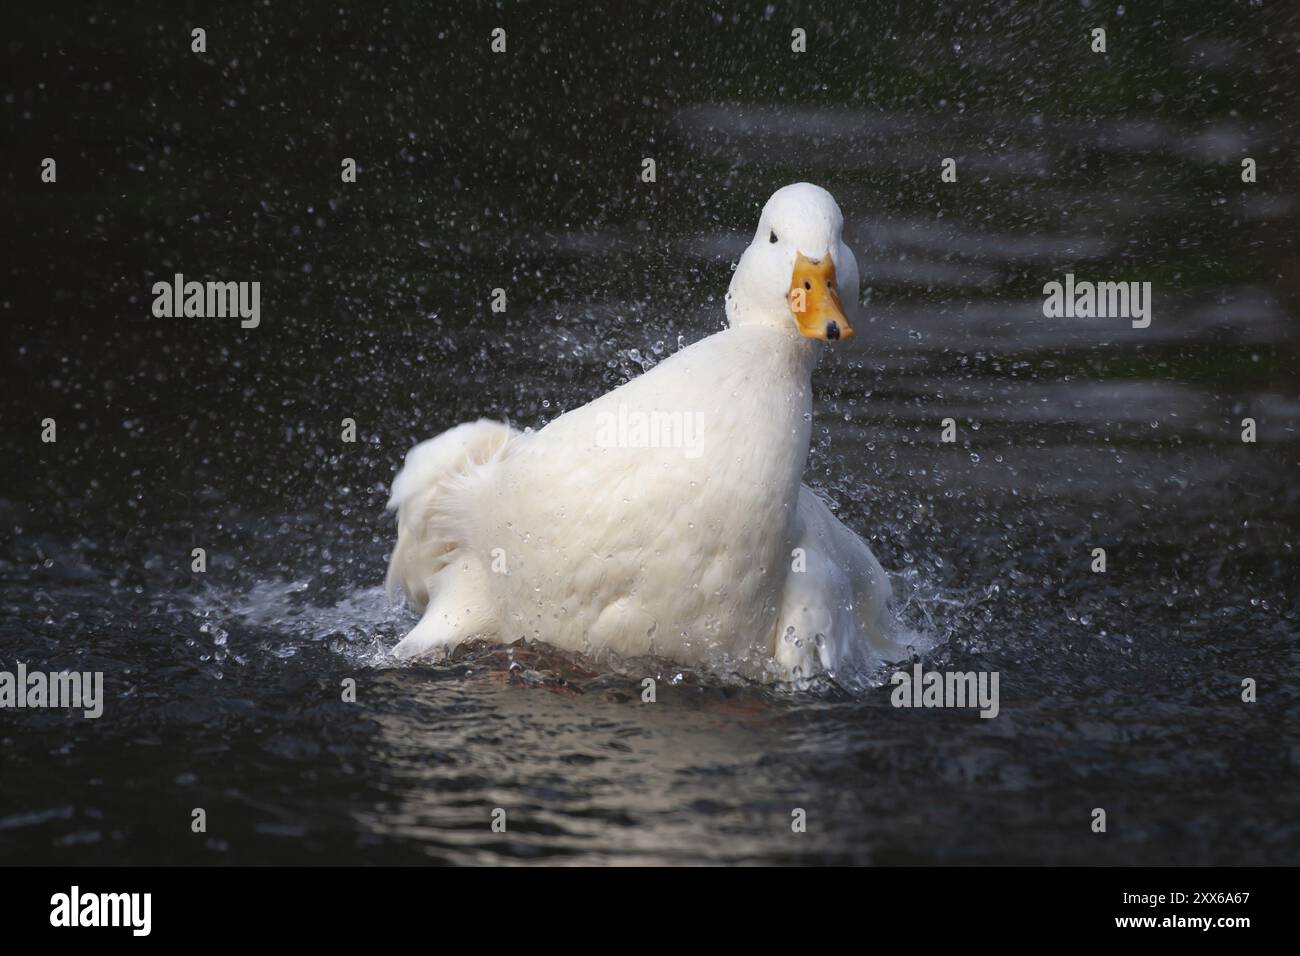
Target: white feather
682,550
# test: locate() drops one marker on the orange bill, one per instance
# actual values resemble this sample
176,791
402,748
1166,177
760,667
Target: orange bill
815,301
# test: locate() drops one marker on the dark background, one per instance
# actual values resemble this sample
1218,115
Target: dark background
479,171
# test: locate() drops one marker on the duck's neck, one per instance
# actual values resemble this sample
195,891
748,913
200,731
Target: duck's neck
778,333
771,388
792,356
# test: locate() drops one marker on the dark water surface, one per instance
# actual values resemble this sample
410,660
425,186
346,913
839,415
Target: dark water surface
1120,691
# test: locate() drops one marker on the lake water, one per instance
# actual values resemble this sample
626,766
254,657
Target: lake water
1120,690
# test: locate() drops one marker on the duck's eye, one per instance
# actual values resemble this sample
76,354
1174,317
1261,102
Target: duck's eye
771,235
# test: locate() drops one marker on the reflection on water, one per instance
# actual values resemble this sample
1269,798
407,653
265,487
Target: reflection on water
1118,690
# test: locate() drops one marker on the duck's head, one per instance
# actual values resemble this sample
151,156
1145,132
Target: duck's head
797,273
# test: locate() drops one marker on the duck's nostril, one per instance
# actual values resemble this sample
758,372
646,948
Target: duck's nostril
832,330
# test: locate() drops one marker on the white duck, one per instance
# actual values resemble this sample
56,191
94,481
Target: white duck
666,517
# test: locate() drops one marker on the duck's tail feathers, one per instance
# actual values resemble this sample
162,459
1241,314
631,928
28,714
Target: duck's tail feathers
458,609
432,514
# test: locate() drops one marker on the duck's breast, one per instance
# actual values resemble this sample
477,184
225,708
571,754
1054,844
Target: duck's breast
657,518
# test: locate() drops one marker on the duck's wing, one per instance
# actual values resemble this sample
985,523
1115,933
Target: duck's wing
835,607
